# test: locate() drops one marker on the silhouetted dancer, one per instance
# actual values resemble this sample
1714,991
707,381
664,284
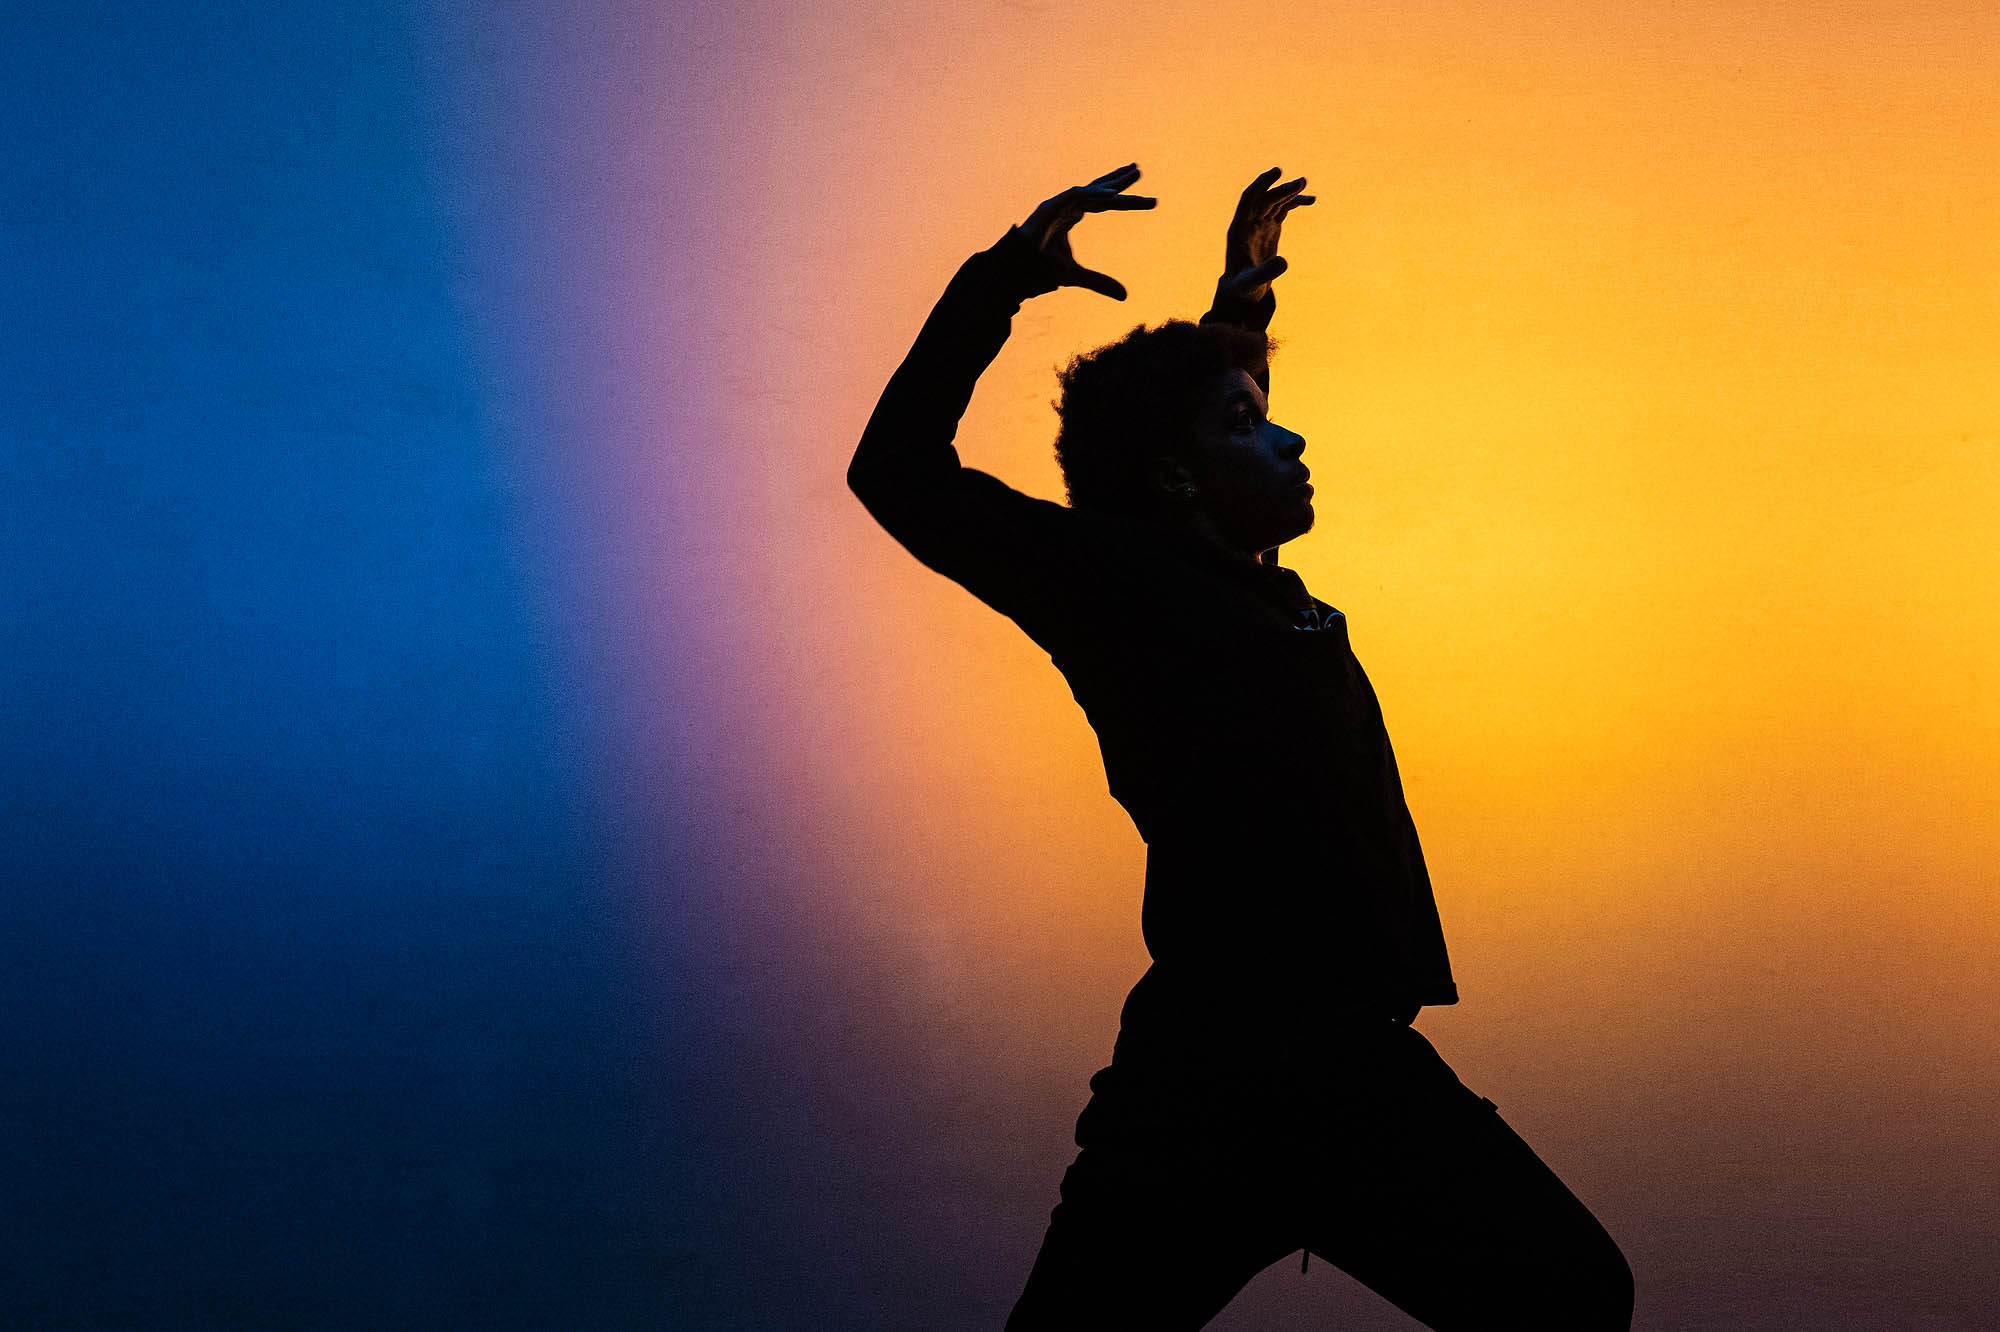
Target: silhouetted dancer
1267,1092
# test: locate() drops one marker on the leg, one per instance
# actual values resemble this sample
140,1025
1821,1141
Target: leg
1123,1251
1448,1214
1140,1239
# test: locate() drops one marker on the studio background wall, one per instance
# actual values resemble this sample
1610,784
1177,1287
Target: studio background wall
498,838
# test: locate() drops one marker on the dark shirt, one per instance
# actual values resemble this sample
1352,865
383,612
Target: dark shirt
1284,883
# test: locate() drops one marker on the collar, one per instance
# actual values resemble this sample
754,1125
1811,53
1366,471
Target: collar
1273,583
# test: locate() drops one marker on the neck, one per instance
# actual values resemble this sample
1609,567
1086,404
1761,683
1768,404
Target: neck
1197,526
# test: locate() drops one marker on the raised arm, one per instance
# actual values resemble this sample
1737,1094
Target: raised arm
959,521
1250,255
1251,262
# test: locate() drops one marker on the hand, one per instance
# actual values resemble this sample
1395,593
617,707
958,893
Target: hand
1250,260
1047,228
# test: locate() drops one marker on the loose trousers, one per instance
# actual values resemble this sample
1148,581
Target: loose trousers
1189,1183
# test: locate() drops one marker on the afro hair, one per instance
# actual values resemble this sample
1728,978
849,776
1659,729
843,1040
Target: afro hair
1137,399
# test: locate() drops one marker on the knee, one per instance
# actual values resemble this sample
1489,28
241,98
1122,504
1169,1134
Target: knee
1604,1293
1623,1292
1588,1290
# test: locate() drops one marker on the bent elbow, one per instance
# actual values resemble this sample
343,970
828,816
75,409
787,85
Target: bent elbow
870,483
860,478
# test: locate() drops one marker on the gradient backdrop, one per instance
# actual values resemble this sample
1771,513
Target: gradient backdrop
496,838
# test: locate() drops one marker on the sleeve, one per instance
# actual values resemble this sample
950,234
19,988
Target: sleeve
1253,315
1010,550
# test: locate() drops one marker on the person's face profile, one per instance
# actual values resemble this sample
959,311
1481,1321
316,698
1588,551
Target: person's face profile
1250,475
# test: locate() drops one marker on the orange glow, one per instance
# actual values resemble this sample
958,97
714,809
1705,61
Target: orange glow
1648,364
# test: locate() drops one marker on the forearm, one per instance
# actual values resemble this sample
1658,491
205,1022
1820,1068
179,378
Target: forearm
907,448
1230,308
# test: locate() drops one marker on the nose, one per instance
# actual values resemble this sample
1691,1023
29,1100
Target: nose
1290,444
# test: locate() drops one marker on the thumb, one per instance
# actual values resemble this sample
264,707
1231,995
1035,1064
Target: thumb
1102,283
1273,267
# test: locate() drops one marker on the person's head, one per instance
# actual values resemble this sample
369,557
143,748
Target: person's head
1169,423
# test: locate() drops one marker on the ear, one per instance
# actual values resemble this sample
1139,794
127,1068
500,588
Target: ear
1167,478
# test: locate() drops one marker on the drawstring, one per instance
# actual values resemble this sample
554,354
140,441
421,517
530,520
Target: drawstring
1305,1256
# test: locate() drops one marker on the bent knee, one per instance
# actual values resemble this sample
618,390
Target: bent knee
1602,1293
1587,1289
1619,1305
